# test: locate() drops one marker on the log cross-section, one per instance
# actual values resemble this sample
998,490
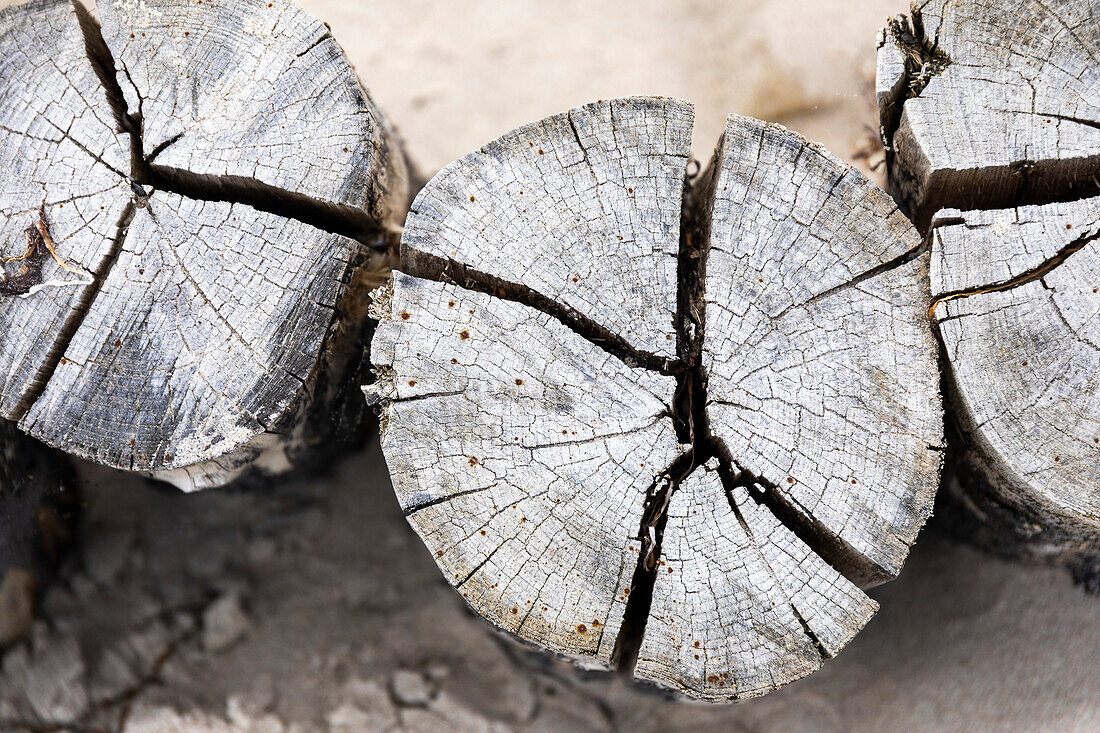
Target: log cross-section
991,116
661,424
193,197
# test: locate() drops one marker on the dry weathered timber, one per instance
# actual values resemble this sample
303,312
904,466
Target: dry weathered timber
989,104
675,449
740,604
37,499
196,197
602,204
991,114
1016,307
816,328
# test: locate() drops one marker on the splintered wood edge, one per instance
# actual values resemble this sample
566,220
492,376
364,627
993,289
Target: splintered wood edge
987,104
495,433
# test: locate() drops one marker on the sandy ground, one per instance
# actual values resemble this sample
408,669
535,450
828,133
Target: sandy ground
310,605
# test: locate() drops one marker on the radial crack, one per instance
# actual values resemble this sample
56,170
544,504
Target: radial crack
862,277
843,558
432,267
75,317
628,643
809,632
689,416
349,221
923,60
1028,276
1000,186
442,500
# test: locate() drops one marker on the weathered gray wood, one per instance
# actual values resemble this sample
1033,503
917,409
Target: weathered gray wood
217,187
985,100
1016,307
255,89
991,111
816,328
741,606
592,220
700,516
37,499
510,437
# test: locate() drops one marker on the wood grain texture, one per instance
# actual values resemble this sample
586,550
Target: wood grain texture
521,453
636,514
741,606
257,90
822,373
991,114
62,160
991,101
592,219
1017,310
226,178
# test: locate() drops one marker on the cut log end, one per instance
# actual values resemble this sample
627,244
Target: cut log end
991,113
196,306
694,497
988,104
1016,301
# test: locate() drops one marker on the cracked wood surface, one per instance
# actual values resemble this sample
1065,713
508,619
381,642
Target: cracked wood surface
637,515
583,192
216,185
1017,310
740,605
809,338
986,101
992,114
521,453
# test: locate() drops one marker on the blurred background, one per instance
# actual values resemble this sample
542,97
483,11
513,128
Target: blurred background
311,606
454,76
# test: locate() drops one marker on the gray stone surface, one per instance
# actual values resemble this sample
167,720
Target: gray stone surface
348,596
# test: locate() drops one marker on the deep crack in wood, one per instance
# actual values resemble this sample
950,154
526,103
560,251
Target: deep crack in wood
703,527
222,194
998,154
